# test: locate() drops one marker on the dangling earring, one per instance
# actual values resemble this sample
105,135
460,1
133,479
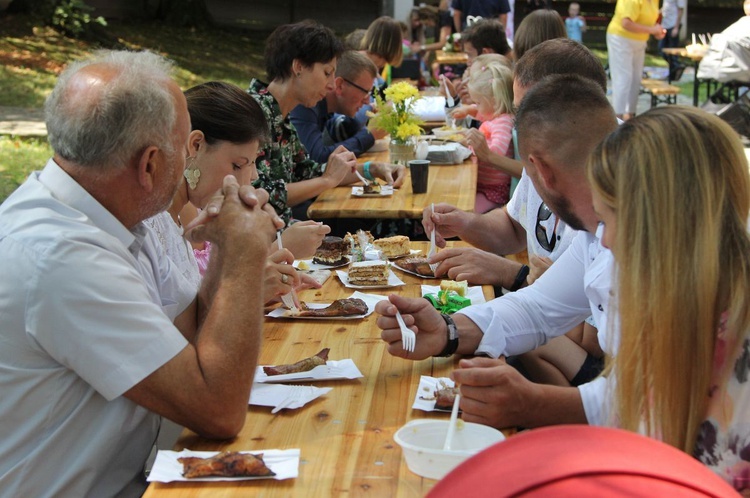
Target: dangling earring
191,174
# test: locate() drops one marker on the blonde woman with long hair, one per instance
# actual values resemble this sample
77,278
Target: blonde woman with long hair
673,191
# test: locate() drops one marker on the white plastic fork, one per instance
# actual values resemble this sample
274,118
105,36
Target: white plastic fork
296,393
433,247
362,178
408,337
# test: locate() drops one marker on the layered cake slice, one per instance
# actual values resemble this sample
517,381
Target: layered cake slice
394,247
332,251
369,273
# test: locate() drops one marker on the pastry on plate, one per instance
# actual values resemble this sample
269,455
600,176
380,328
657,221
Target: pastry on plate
394,247
369,273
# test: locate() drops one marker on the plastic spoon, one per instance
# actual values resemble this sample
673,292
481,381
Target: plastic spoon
453,423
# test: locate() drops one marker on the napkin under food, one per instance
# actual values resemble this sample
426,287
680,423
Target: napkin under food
370,299
425,398
332,370
284,463
274,394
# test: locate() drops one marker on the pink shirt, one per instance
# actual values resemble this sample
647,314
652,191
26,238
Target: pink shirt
493,183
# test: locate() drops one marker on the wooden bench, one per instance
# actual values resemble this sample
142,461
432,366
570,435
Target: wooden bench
660,91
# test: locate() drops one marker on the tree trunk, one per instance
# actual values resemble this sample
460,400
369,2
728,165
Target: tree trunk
184,13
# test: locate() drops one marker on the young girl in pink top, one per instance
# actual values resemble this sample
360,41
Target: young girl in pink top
491,88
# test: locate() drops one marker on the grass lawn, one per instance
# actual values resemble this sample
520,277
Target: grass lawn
18,157
31,57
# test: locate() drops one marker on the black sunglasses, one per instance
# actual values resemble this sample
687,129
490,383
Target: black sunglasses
363,90
543,214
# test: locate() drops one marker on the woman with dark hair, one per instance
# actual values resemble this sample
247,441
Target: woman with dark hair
301,67
537,27
228,127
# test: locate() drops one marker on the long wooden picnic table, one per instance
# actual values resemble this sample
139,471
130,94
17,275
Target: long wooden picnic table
346,436
454,184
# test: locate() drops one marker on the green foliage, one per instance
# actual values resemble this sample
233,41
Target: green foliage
73,17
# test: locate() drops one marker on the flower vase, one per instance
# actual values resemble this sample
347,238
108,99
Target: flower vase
402,152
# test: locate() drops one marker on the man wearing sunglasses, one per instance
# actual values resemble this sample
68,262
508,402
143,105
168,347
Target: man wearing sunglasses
355,75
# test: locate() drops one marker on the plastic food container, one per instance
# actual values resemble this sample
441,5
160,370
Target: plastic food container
422,443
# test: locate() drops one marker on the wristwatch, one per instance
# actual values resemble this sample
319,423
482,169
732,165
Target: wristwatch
452,345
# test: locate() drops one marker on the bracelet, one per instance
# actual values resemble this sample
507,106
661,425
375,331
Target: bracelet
452,344
366,169
520,278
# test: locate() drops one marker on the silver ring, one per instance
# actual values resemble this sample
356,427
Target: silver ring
284,278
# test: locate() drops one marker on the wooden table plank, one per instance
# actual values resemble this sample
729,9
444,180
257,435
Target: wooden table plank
443,57
454,184
346,436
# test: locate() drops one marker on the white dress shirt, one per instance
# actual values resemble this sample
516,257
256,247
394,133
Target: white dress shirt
576,286
86,307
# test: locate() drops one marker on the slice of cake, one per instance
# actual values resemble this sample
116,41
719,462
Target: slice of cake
332,251
394,247
369,273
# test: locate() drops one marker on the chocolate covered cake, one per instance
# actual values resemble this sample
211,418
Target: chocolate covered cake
333,251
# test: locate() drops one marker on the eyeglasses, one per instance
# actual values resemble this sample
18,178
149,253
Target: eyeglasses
543,214
363,90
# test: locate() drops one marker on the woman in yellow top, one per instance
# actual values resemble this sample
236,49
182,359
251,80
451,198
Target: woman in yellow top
627,34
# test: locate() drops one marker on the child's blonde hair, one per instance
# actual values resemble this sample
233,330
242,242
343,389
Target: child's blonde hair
491,81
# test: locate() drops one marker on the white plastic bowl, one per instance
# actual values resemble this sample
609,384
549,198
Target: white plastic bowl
422,443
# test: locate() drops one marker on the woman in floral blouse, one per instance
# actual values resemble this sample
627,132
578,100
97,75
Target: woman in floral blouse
300,64
673,191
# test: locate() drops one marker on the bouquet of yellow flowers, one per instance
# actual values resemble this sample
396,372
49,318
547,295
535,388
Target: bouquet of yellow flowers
395,115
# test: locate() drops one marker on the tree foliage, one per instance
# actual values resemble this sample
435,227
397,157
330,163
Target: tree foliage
71,17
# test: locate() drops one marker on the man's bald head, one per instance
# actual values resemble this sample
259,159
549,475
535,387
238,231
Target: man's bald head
105,110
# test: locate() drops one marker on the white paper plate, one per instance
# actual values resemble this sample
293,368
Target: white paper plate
285,463
385,191
332,370
393,281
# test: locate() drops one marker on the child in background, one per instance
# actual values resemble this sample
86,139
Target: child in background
491,89
575,24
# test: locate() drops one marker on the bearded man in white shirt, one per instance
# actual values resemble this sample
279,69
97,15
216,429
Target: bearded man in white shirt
101,334
559,122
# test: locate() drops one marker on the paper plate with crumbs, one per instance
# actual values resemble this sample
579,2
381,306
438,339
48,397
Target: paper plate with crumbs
283,464
384,191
